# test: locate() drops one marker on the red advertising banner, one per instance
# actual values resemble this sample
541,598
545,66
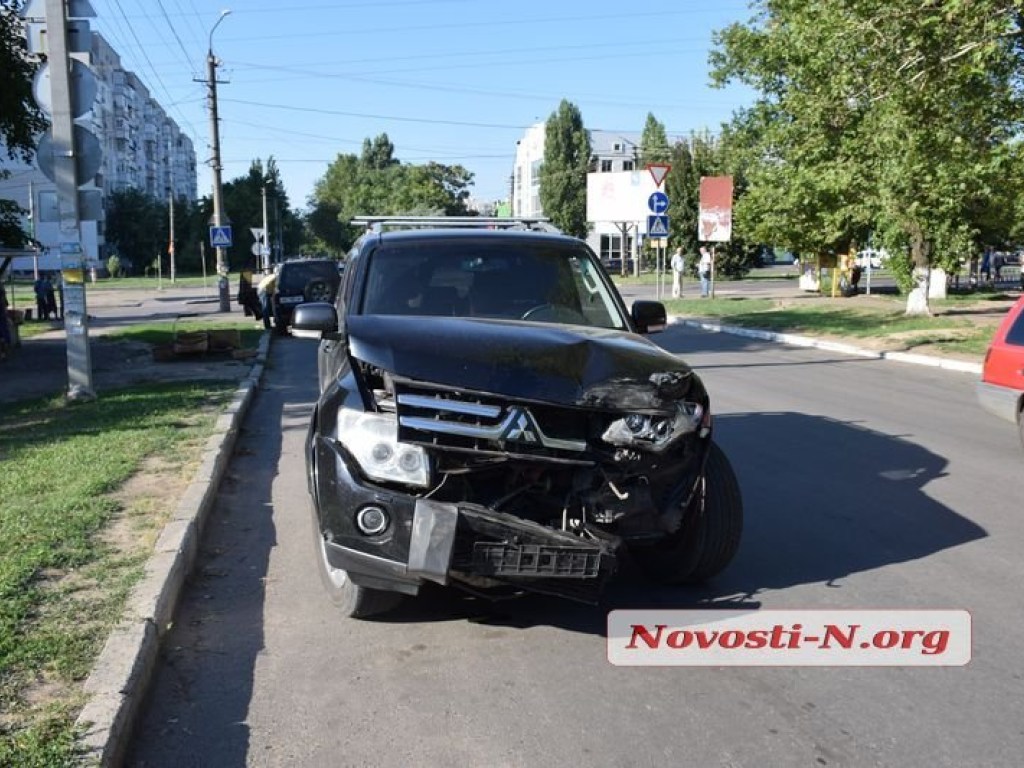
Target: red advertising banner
715,222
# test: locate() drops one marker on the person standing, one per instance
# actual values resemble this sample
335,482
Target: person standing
704,270
266,289
39,289
678,265
6,335
50,297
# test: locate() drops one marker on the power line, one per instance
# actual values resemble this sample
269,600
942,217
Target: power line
156,74
491,24
174,32
396,118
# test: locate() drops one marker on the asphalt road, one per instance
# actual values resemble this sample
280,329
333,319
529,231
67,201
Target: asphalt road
867,484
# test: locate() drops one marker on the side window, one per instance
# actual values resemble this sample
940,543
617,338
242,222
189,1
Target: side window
1015,335
347,281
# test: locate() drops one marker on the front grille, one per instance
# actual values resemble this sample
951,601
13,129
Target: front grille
458,420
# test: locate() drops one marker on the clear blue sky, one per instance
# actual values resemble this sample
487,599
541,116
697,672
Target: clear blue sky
454,81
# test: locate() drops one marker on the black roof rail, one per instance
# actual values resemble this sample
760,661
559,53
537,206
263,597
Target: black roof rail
380,223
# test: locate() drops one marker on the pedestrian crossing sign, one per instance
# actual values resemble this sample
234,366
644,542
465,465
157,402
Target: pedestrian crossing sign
657,226
220,237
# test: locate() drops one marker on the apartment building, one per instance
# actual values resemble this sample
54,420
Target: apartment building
610,151
143,148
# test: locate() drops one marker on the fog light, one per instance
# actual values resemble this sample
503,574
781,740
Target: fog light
371,521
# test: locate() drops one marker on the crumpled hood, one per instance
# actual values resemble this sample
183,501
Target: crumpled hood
565,365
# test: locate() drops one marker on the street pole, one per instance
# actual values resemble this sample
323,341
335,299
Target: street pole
223,290
76,317
32,229
170,244
265,245
170,209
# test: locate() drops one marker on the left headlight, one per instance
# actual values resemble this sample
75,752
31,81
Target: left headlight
654,432
372,439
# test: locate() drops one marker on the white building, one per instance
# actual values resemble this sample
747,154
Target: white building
143,149
610,151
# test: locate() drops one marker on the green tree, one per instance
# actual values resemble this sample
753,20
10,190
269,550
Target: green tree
377,183
654,146
136,228
892,117
243,203
563,174
20,119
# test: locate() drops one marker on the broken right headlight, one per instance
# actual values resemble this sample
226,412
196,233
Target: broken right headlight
655,432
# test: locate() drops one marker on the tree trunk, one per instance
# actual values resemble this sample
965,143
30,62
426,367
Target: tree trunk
920,254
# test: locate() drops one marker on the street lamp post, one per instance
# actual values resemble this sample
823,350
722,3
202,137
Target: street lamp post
218,201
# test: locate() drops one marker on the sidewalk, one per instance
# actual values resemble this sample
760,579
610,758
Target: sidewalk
38,367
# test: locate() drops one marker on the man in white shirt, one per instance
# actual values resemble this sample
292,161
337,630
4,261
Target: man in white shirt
678,265
704,270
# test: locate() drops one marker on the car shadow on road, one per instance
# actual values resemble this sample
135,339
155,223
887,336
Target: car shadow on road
824,500
196,705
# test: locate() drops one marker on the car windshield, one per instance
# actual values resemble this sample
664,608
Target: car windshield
513,280
294,277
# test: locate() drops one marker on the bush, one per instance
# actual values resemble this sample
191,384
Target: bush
114,266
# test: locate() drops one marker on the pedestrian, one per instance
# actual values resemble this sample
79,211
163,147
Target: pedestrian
265,290
5,328
678,265
704,271
39,289
50,297
986,265
248,296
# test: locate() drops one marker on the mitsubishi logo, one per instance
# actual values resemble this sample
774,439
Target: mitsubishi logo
520,426
517,425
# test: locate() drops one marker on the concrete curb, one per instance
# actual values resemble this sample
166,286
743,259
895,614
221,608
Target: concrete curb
794,340
117,685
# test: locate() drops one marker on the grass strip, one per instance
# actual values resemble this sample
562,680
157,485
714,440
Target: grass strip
71,548
889,324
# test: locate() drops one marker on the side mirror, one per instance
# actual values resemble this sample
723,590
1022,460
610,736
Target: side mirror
315,320
649,316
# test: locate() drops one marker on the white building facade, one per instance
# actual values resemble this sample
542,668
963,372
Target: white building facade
143,149
610,152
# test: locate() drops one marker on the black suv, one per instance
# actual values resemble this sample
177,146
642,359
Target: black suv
490,417
300,281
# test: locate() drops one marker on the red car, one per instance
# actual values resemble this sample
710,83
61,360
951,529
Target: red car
1001,389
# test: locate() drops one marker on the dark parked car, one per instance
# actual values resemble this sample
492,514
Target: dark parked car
491,417
1001,389
300,281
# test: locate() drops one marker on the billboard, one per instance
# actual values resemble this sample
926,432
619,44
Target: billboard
714,224
619,196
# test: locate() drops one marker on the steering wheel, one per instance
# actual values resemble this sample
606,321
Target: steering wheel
554,313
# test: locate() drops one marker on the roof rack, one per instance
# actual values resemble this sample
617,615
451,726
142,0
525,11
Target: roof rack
380,223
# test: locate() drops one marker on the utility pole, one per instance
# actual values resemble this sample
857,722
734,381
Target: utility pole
32,229
170,242
265,245
76,317
170,209
218,201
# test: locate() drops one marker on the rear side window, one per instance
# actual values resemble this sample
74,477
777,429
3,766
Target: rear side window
294,277
1015,335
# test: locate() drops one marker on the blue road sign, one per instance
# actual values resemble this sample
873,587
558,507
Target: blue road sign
220,237
657,226
658,202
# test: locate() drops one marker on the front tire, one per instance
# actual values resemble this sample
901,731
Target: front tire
710,534
352,600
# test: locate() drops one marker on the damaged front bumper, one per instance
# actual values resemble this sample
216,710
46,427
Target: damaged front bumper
446,543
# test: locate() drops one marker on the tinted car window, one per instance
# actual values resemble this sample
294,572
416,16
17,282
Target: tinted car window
512,281
1015,335
294,277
